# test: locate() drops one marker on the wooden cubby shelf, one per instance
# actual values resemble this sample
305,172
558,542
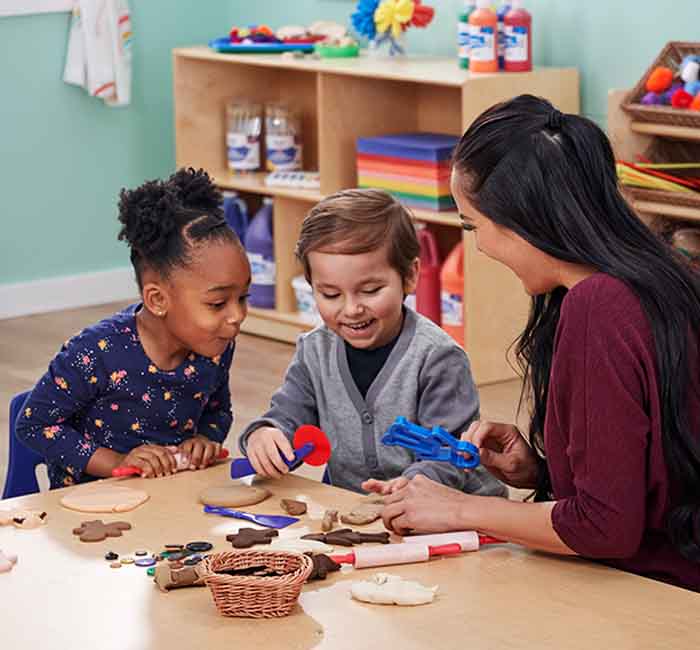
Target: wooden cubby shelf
630,138
341,100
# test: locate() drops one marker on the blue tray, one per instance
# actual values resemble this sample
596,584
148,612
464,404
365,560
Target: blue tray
225,46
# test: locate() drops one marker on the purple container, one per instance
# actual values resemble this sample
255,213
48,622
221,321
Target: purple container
260,248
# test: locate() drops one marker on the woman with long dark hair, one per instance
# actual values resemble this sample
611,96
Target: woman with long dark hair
609,356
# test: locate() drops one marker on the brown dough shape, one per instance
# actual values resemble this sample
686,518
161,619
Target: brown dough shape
330,518
292,507
247,537
347,537
97,530
365,512
323,565
233,496
168,577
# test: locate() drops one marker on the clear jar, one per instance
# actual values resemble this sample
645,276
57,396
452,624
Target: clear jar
243,129
283,143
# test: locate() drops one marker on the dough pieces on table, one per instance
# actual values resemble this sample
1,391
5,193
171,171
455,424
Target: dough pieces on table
233,496
21,518
388,589
297,545
365,512
103,498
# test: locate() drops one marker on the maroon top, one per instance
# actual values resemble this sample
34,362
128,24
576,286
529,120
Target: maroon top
603,435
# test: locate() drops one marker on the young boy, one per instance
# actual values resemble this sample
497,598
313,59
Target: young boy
372,360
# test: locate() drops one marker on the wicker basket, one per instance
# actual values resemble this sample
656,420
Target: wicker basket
255,596
670,57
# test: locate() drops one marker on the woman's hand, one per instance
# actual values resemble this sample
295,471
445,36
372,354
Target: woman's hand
152,460
504,452
264,448
198,452
385,487
424,506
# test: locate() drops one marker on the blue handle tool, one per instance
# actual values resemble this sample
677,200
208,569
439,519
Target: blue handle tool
431,444
241,467
269,521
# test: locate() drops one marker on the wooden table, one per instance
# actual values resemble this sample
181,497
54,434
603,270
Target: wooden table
62,593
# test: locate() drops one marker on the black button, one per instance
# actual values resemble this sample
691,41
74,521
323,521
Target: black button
199,547
111,556
367,417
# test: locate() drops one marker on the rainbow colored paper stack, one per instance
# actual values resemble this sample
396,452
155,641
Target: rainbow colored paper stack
414,167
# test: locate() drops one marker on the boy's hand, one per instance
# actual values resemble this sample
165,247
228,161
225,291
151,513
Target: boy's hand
198,452
385,487
264,448
152,460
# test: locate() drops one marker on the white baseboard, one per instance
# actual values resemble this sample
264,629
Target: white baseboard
67,292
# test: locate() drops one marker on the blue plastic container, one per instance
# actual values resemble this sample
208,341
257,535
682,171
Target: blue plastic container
236,214
260,248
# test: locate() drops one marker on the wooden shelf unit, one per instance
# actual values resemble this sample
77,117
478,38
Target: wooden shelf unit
342,100
630,138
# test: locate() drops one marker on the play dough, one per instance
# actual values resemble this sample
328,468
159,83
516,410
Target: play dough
104,498
7,561
388,589
23,518
233,496
365,512
300,546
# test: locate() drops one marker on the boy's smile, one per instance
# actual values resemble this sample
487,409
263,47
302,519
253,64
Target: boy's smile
360,296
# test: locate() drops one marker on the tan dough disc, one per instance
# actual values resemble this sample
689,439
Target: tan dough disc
233,496
104,498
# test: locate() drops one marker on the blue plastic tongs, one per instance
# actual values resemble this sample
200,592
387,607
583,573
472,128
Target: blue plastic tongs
431,444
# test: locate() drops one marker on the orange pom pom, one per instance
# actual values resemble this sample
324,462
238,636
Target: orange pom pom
695,106
659,80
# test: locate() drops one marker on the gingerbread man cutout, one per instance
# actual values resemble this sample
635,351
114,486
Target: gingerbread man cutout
97,530
247,537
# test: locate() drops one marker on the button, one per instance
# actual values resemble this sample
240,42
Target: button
116,565
151,571
111,556
127,560
145,561
367,417
174,547
141,553
191,561
199,547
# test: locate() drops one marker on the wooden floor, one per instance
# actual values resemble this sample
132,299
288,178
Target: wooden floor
28,344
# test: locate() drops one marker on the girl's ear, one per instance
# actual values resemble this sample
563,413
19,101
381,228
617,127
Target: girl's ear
411,280
156,298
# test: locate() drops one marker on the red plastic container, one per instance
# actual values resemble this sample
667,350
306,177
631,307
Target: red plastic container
452,280
518,27
428,289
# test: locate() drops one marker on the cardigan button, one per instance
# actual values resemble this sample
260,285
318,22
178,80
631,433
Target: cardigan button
367,417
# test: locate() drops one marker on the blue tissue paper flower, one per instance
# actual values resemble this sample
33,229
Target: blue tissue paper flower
363,18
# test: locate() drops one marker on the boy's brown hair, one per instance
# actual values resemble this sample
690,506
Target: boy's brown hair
351,222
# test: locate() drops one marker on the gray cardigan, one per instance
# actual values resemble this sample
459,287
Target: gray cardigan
426,378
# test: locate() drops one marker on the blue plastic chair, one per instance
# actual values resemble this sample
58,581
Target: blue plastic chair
21,476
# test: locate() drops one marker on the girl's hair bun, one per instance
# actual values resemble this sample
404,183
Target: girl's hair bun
196,191
148,215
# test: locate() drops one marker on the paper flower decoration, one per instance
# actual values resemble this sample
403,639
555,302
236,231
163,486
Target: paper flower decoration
383,21
393,15
363,18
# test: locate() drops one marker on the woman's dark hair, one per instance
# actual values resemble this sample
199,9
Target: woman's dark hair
162,221
551,178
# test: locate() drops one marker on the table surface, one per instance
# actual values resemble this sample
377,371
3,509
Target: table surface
63,594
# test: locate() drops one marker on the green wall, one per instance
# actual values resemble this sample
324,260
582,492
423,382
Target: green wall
64,156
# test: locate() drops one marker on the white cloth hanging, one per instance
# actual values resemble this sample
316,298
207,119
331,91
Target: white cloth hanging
98,57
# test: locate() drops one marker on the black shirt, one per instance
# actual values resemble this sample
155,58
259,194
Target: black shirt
366,364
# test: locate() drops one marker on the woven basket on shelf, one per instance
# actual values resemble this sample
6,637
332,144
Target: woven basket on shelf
670,57
256,596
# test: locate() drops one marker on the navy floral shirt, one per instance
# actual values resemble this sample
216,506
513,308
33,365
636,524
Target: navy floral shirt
102,390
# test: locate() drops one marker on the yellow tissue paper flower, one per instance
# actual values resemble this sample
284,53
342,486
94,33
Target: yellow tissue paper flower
392,14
